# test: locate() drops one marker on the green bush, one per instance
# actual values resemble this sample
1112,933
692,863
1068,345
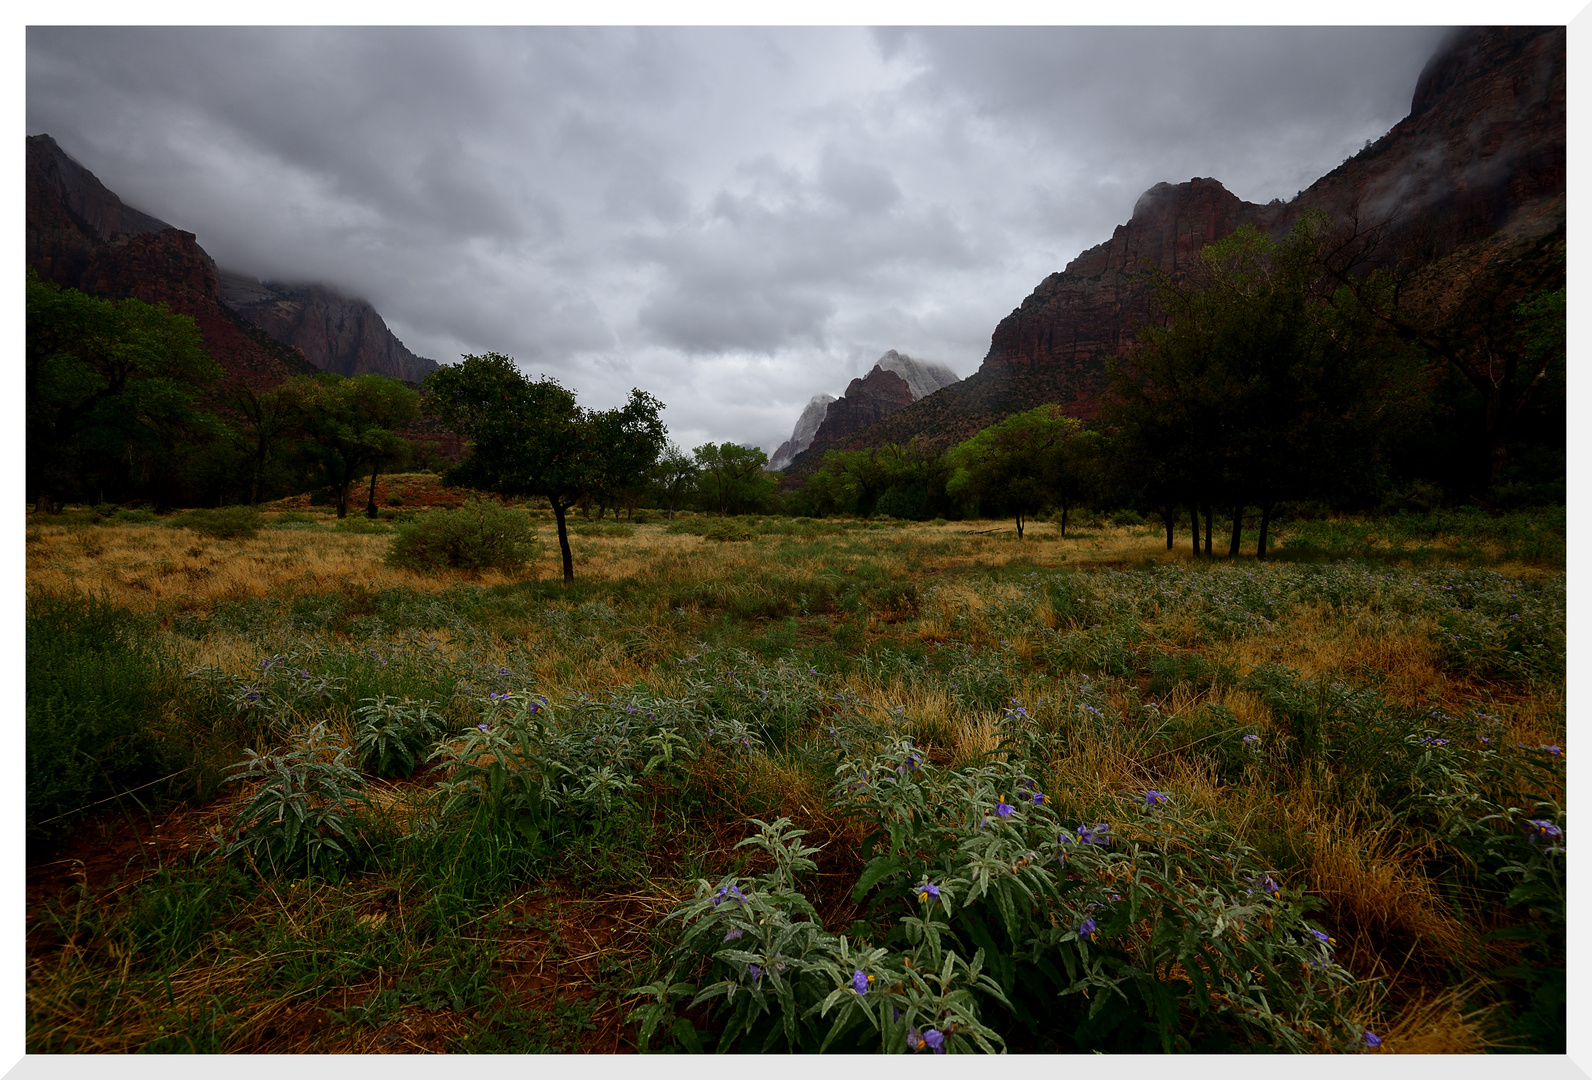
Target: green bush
392,734
226,523
728,529
301,809
477,536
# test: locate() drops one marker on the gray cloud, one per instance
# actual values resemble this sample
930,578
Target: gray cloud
733,219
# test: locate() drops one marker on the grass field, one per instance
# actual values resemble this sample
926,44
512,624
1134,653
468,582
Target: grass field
687,802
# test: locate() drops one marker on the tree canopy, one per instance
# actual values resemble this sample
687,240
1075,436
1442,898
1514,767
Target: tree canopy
112,390
530,438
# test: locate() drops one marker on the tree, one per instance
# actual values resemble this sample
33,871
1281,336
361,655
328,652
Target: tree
732,477
111,391
267,419
1265,383
531,439
1484,310
675,475
352,425
1024,464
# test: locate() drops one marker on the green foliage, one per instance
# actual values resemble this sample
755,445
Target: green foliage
225,523
391,735
480,535
732,480
111,395
94,677
297,820
352,426
530,438
1025,464
723,530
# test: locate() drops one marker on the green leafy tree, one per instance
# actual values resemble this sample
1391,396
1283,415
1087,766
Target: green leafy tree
1265,383
530,438
1024,464
732,479
112,391
674,477
352,426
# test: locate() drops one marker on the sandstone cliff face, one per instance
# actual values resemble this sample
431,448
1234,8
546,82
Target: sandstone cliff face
866,401
81,235
336,333
70,213
923,377
1482,151
801,438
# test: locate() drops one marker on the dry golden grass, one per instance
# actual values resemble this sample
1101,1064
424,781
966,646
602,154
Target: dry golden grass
153,566
1438,1022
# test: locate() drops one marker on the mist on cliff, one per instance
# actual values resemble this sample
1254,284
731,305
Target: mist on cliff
732,219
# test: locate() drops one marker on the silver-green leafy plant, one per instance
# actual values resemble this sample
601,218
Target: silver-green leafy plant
781,980
393,734
298,818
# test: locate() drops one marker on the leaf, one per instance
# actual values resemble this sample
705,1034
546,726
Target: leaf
877,870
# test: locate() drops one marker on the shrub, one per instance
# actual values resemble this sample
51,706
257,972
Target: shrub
477,536
301,808
728,529
391,734
226,523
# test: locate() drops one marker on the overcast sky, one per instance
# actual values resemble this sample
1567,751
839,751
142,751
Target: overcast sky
734,220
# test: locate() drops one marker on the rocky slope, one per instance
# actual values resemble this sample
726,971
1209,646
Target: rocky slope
923,377
875,400
80,234
867,400
801,438
336,333
1482,151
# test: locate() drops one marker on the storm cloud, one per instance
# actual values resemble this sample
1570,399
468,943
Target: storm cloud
732,219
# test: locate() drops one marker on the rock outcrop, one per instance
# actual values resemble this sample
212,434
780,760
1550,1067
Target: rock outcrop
1481,152
337,334
81,235
923,377
866,401
801,438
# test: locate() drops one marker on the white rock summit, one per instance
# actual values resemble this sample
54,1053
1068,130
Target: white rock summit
922,379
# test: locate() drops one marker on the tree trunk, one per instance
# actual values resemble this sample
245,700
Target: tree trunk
1238,531
563,541
1265,520
1166,519
1019,526
370,504
1207,528
1194,517
1064,521
340,498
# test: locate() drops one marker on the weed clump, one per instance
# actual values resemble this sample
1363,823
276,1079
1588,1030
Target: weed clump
477,536
225,523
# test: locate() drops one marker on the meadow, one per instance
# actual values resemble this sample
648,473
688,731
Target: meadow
791,784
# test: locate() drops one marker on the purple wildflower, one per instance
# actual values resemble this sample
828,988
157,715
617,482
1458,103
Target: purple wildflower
733,934
1040,798
1251,739
1553,749
754,971
1155,798
1003,809
935,1040
1544,830
860,981
1325,939
1086,929
927,892
732,892
481,727
1372,1039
